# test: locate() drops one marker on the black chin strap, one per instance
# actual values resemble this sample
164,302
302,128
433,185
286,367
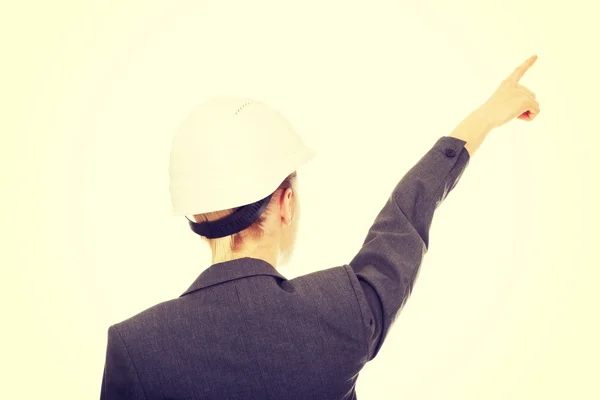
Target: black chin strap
236,222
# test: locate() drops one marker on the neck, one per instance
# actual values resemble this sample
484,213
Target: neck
268,253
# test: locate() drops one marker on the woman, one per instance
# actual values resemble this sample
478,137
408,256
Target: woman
242,330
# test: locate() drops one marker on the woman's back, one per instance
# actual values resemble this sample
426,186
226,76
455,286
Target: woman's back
242,331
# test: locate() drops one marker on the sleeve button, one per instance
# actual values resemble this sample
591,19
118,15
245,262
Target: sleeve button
450,153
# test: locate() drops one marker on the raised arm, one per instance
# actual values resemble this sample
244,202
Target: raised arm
388,263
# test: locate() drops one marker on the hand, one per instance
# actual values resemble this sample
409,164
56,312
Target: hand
511,99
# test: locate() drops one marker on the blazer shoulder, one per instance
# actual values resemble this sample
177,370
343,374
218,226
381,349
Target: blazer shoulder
146,317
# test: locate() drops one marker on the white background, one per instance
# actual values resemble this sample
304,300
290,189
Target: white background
506,305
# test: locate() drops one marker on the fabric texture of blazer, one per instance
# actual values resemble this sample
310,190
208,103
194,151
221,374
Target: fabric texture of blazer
243,331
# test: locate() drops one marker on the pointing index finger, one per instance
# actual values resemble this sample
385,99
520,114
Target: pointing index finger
521,69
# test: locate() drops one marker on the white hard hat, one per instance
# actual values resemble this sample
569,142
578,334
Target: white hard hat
230,152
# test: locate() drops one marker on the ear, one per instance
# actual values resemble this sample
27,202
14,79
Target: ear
286,206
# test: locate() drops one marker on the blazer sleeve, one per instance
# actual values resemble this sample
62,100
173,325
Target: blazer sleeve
388,262
120,379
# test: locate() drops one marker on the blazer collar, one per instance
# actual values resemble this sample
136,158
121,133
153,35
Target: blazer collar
230,270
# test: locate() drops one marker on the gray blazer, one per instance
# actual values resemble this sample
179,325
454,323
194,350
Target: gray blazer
243,331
